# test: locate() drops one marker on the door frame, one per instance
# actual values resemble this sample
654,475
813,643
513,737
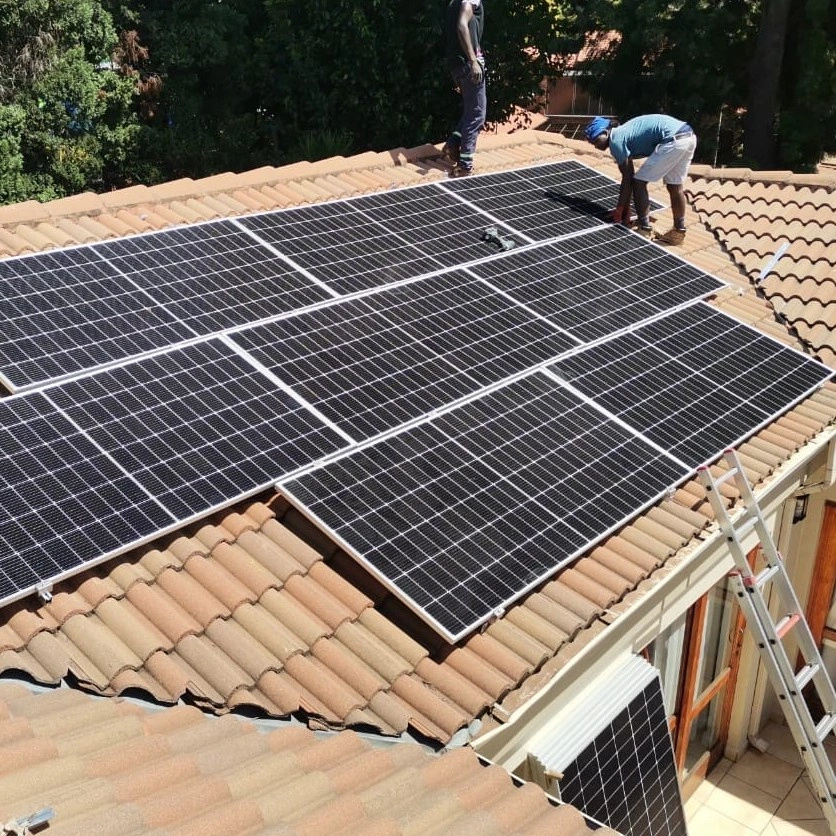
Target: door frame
690,703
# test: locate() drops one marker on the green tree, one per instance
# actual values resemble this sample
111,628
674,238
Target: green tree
376,69
68,115
771,61
251,83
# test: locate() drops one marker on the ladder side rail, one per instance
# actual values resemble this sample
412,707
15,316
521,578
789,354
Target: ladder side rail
779,579
807,735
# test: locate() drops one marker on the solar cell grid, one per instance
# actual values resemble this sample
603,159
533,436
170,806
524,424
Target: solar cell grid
211,276
463,514
598,283
63,503
436,223
370,365
542,201
341,246
626,777
695,381
197,427
69,310
357,367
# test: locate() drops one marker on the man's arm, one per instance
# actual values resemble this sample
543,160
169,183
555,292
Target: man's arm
465,16
626,169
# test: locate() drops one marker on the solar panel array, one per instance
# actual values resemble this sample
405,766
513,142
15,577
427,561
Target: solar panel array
695,382
91,306
410,418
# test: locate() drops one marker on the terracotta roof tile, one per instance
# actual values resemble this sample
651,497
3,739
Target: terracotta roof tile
752,219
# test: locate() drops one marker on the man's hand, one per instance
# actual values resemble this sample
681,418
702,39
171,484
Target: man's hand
619,215
476,71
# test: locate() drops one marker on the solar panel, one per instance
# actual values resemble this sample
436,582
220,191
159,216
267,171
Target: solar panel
464,513
543,201
695,381
342,247
212,276
595,284
69,310
197,427
63,502
370,365
433,221
613,751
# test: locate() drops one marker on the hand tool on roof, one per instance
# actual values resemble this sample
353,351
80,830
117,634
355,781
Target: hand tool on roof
492,236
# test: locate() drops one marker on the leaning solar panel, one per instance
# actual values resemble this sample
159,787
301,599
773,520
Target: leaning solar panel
464,513
695,382
595,284
374,363
211,276
542,201
69,310
63,502
197,427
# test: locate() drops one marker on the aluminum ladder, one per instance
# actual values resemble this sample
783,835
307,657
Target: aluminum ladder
809,735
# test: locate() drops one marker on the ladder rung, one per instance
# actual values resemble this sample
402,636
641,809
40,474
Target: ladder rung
825,726
764,576
805,675
725,477
786,624
743,527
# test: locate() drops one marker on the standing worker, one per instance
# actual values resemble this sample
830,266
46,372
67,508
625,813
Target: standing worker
464,23
668,144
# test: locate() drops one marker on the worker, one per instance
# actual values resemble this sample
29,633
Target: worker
668,145
464,23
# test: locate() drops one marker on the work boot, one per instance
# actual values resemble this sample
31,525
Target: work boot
451,151
460,170
673,237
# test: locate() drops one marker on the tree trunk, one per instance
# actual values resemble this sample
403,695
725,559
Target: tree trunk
764,81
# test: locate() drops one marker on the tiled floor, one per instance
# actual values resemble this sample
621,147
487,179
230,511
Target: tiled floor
768,794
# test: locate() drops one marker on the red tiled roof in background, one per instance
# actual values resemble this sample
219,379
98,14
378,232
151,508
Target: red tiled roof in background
240,612
752,214
111,767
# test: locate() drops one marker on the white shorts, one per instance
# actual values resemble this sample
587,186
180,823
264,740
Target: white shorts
669,161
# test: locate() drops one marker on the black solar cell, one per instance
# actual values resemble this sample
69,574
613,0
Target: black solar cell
63,502
372,364
197,427
211,276
67,311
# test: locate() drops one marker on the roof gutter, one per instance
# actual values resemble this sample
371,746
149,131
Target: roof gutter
681,582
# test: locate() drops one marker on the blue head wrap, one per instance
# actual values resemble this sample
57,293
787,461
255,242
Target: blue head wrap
596,127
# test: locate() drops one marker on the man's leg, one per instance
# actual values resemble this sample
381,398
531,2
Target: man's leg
641,201
677,197
474,108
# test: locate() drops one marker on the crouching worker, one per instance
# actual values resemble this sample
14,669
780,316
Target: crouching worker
667,146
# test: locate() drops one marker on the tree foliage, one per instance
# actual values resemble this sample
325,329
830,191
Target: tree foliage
97,94
247,83
698,60
68,117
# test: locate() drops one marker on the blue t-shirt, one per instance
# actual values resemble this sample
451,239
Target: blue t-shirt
639,137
